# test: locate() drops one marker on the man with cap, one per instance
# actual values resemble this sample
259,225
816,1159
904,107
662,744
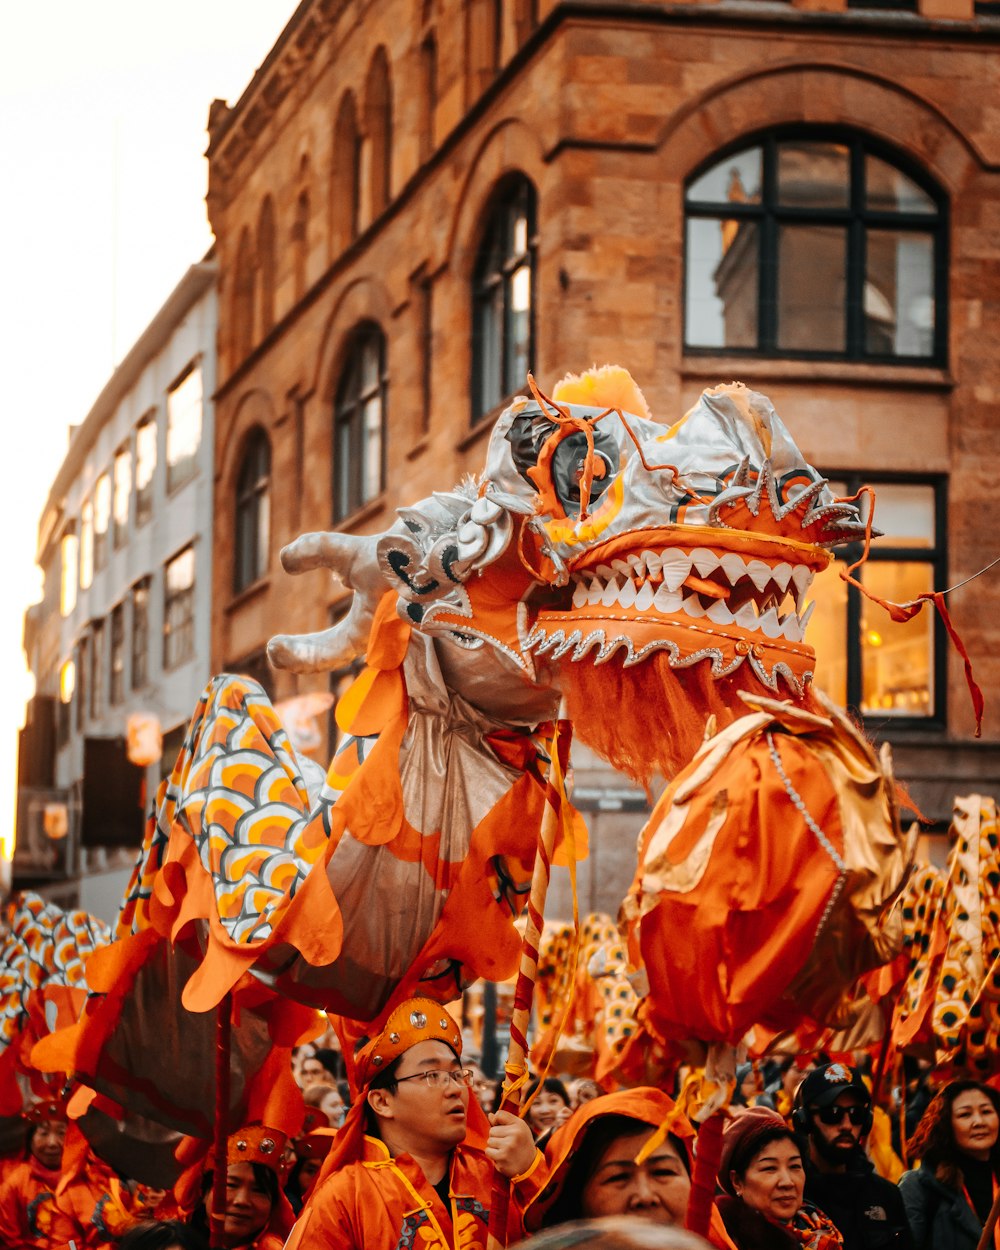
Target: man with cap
414,1161
833,1111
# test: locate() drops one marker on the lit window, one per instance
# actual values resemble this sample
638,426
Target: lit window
815,245
140,633
116,692
184,414
86,545
67,688
359,423
145,468
178,609
883,669
102,520
253,512
502,298
122,495
70,557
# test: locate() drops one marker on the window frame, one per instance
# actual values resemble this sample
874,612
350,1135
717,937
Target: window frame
139,633
185,468
96,684
349,400
116,655
184,628
856,219
119,528
143,510
936,557
250,495
501,211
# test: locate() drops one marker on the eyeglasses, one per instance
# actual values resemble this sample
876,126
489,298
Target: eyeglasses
438,1078
833,1115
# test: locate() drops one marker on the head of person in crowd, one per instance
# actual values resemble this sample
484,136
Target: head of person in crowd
592,1168
582,1090
299,1055
310,1148
255,1203
328,1100
162,1235
748,1085
550,1106
47,1132
483,1089
763,1178
613,1233
962,1122
319,1068
833,1113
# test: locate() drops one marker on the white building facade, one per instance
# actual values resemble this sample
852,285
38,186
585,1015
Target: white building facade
123,627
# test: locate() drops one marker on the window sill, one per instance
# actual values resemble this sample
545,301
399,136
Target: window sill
360,515
418,448
252,591
833,372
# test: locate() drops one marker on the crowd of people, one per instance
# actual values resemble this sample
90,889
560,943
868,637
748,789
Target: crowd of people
408,1155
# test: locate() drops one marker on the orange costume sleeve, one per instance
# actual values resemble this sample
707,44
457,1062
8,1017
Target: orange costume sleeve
26,1189
385,1201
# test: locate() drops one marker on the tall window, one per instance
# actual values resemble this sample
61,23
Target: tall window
428,94
97,670
184,415
67,687
70,557
86,544
122,493
815,244
378,126
502,298
145,467
82,676
116,692
243,298
140,633
359,424
266,260
300,242
253,511
344,198
883,669
178,609
102,520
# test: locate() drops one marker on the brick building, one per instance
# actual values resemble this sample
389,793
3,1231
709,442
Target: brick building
415,200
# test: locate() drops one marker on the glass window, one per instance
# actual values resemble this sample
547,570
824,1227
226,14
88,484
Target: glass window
814,245
70,558
102,520
82,678
145,468
359,424
122,494
502,298
178,609
864,659
184,416
67,687
140,633
97,670
116,693
253,512
86,545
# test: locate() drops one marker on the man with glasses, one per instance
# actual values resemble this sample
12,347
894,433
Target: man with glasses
833,1111
414,1162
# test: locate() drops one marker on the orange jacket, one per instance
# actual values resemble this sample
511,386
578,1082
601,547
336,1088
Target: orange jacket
386,1201
27,1188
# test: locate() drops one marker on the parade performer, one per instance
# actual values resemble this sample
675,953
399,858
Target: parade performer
414,1161
31,1184
833,1113
948,1198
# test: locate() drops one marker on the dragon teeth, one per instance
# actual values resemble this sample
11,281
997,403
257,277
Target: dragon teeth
644,597
781,574
769,624
705,561
579,595
733,567
676,568
759,573
627,594
666,600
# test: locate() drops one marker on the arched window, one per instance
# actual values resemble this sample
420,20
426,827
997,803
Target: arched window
359,417
503,282
300,242
266,262
818,244
428,93
253,511
243,300
378,127
344,189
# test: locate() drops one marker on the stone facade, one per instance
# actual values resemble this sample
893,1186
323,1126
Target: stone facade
608,111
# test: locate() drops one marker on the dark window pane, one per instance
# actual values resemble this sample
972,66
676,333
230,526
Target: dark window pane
812,269
117,691
723,259
140,634
253,512
359,424
735,180
899,293
814,175
178,609
888,190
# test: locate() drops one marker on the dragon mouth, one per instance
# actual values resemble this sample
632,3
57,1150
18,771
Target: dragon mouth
697,603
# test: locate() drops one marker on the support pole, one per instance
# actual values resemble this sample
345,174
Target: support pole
223,1046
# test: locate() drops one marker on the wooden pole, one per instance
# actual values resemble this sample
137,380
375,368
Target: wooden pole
223,1046
525,986
986,1240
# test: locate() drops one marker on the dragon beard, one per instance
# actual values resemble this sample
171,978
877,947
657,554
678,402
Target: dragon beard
651,718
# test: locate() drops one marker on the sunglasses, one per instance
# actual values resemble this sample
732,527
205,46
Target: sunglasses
833,1115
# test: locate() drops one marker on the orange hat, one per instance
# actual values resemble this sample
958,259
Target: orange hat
255,1143
413,1021
46,1109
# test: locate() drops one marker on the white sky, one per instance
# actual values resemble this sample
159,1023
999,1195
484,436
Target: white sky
103,114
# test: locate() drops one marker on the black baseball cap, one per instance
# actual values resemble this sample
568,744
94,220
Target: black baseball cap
824,1085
